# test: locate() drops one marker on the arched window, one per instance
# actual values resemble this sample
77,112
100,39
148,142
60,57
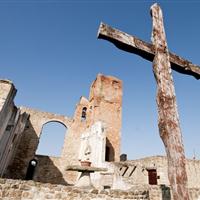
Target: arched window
83,115
51,139
31,169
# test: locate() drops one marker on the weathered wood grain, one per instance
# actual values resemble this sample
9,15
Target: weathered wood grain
168,119
146,50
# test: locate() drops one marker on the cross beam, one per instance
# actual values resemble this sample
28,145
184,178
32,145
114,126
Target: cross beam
146,50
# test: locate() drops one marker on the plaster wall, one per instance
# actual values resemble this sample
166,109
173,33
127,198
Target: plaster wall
135,172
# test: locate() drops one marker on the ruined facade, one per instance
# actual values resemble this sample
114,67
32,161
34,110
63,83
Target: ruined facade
97,123
103,105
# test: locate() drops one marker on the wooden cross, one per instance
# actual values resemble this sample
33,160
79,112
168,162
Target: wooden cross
168,119
146,50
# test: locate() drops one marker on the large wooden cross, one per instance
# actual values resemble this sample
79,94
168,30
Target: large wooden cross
168,119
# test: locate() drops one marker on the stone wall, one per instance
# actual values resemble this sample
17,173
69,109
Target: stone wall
50,170
103,106
12,123
7,94
106,98
24,190
29,142
193,171
29,190
20,133
11,139
136,171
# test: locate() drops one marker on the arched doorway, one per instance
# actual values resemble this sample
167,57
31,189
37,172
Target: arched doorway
51,139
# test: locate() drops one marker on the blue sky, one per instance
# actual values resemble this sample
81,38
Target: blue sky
50,51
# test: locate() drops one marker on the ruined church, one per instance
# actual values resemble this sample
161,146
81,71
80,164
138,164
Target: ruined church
94,135
91,166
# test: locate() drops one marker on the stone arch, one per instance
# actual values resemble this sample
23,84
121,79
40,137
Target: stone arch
29,143
57,121
52,130
50,117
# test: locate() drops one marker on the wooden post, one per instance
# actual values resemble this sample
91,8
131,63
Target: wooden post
168,119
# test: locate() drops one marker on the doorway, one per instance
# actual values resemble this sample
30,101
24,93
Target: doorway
152,175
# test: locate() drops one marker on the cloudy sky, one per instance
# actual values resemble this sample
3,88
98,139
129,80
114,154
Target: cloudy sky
50,51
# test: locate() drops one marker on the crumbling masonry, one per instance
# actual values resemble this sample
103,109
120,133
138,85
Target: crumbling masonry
22,127
97,119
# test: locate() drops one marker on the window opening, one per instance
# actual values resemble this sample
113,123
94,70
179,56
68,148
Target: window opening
107,153
9,127
31,169
83,115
